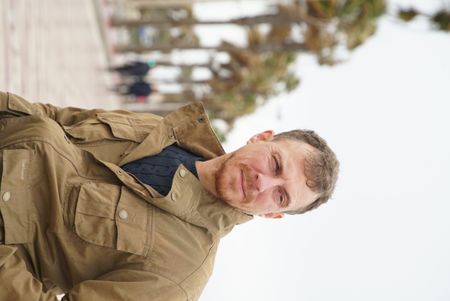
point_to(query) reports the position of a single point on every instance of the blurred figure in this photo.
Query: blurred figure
(138, 89)
(136, 68)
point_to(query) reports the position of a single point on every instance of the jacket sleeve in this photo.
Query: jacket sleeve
(16, 282)
(14, 105)
(88, 126)
(127, 285)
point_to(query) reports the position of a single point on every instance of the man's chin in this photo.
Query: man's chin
(246, 201)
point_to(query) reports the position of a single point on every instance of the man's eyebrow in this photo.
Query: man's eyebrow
(282, 165)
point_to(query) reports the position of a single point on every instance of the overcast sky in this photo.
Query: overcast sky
(386, 233)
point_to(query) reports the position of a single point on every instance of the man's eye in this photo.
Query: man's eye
(276, 165)
(280, 196)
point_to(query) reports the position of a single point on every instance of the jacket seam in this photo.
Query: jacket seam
(203, 262)
(99, 142)
(175, 283)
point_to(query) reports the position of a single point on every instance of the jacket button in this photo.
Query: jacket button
(6, 196)
(123, 214)
(174, 196)
(182, 173)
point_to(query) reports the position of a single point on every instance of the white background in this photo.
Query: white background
(386, 233)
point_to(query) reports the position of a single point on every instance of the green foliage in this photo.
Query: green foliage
(164, 35)
(441, 20)
(253, 75)
(407, 14)
(357, 19)
(331, 24)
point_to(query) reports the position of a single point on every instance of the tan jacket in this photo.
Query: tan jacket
(75, 222)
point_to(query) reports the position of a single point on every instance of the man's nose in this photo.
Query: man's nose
(264, 182)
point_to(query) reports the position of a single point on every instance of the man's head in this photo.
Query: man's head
(321, 167)
(291, 172)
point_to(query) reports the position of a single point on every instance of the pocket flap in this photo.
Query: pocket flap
(98, 200)
(120, 126)
(16, 179)
(95, 213)
(113, 216)
(18, 104)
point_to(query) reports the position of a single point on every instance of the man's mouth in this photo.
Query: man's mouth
(242, 183)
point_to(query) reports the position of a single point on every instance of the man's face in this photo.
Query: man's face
(266, 177)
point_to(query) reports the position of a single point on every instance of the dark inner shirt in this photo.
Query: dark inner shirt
(158, 170)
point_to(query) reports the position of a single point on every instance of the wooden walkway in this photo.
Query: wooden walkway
(52, 51)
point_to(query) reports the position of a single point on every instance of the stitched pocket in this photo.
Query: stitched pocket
(112, 216)
(106, 126)
(18, 175)
(19, 106)
(95, 213)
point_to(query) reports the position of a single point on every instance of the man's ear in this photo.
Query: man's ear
(272, 215)
(263, 136)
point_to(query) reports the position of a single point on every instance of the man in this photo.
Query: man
(139, 88)
(135, 68)
(114, 205)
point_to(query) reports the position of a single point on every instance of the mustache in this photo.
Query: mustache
(249, 183)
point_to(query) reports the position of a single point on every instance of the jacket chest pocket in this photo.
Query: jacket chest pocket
(106, 126)
(113, 216)
(19, 172)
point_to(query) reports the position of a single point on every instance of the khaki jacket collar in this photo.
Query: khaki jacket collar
(189, 127)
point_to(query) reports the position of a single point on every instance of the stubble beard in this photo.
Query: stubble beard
(223, 186)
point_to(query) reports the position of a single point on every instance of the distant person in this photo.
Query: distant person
(137, 89)
(136, 68)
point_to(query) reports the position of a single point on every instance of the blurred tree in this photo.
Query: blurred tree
(269, 47)
(250, 78)
(262, 68)
(259, 75)
(164, 36)
(407, 14)
(440, 19)
(167, 63)
(349, 23)
(324, 25)
(171, 22)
